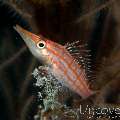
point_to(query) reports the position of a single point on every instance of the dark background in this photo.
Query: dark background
(96, 22)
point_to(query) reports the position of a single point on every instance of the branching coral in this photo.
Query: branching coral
(62, 21)
(52, 90)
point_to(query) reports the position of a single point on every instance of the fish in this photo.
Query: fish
(61, 59)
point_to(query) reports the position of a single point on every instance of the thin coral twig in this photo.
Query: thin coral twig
(87, 15)
(13, 58)
(27, 78)
(25, 108)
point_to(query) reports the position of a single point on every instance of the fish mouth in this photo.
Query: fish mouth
(23, 33)
(18, 28)
(26, 34)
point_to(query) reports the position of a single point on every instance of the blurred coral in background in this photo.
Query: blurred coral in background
(96, 22)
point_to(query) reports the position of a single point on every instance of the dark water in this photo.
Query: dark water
(57, 21)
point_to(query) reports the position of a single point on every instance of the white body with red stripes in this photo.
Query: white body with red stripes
(62, 64)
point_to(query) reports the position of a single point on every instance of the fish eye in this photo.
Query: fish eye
(41, 44)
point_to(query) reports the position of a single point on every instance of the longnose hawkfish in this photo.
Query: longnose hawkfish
(61, 60)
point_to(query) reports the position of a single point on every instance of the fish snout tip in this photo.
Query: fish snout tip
(14, 27)
(17, 27)
(20, 31)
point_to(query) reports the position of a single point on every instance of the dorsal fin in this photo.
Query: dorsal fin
(81, 54)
